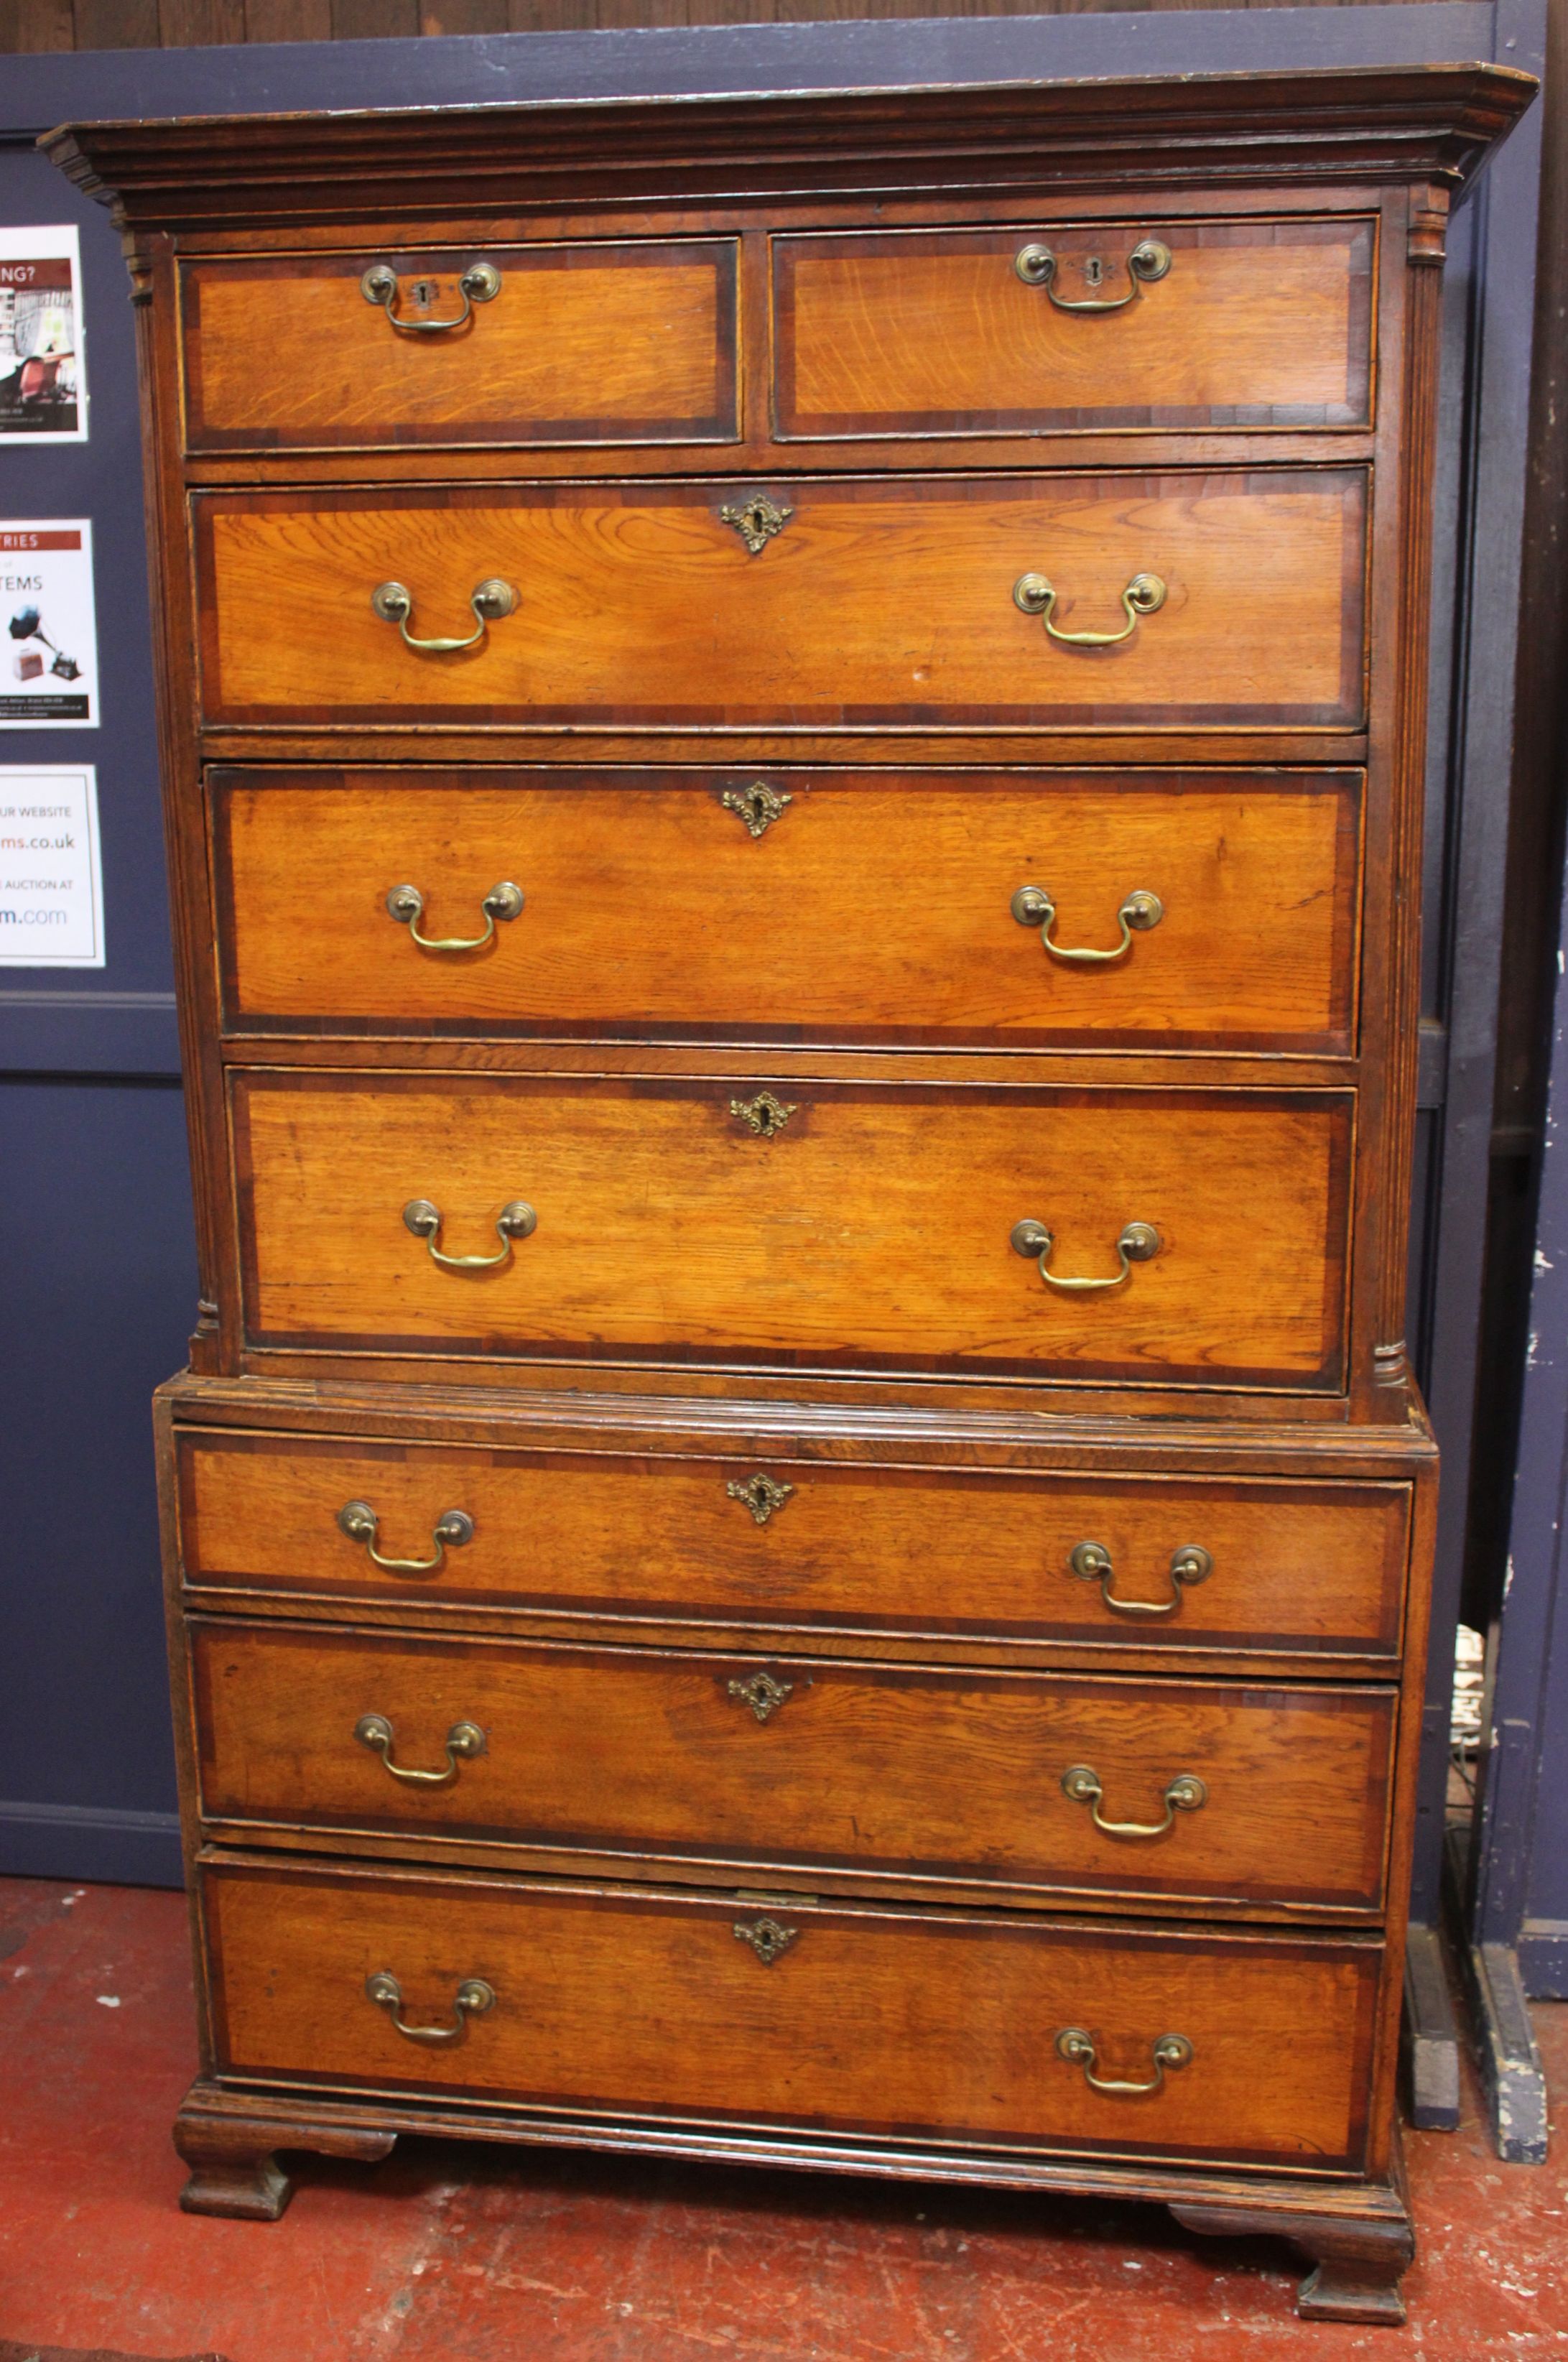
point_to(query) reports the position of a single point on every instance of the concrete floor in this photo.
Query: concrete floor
(476, 2255)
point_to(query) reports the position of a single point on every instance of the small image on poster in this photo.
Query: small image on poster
(48, 647)
(43, 384)
(51, 878)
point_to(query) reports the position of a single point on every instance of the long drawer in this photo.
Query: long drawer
(1232, 599)
(1210, 909)
(802, 1547)
(1182, 1793)
(1142, 323)
(961, 2028)
(922, 1227)
(570, 343)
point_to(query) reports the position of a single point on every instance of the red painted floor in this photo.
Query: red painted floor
(476, 2255)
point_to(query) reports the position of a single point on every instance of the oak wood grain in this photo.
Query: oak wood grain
(871, 908)
(871, 1230)
(729, 1768)
(878, 2020)
(1311, 1567)
(879, 600)
(581, 343)
(1256, 322)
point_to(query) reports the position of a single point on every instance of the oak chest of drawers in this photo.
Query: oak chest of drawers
(798, 1530)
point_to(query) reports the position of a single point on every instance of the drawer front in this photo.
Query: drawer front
(835, 1226)
(576, 344)
(877, 601)
(874, 2020)
(1250, 323)
(780, 1545)
(871, 908)
(1185, 1791)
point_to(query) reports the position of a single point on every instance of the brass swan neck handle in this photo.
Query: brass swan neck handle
(491, 600)
(1138, 1242)
(479, 283)
(1033, 594)
(1035, 906)
(406, 905)
(1185, 1793)
(516, 1220)
(454, 1527)
(1170, 2052)
(473, 1998)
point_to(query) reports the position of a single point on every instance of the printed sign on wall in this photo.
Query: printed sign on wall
(52, 882)
(43, 384)
(48, 649)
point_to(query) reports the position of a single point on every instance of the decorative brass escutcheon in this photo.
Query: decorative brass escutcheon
(406, 905)
(1037, 266)
(1034, 906)
(766, 1938)
(473, 1998)
(516, 1220)
(1138, 1242)
(479, 283)
(762, 1694)
(1033, 594)
(492, 598)
(1171, 2051)
(453, 1528)
(759, 805)
(764, 1115)
(1188, 1565)
(762, 1494)
(1185, 1793)
(756, 519)
(464, 1741)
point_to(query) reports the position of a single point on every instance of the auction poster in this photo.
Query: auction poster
(43, 384)
(48, 646)
(52, 880)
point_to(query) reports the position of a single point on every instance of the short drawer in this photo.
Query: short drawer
(1203, 324)
(844, 907)
(949, 2026)
(598, 343)
(857, 1225)
(1187, 1793)
(787, 1546)
(1232, 598)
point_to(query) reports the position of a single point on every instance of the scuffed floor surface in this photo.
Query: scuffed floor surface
(461, 2253)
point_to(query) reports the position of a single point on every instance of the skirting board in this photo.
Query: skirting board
(91, 1845)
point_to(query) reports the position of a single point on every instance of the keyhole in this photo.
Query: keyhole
(424, 292)
(1094, 271)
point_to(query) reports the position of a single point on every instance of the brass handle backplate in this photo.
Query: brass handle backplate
(406, 905)
(473, 1998)
(393, 602)
(1171, 2051)
(464, 1741)
(516, 1220)
(479, 283)
(1034, 906)
(1034, 595)
(1185, 1793)
(1036, 266)
(1138, 1242)
(453, 1528)
(1188, 1565)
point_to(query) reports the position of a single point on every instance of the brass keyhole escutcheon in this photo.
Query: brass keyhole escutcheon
(762, 1494)
(756, 519)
